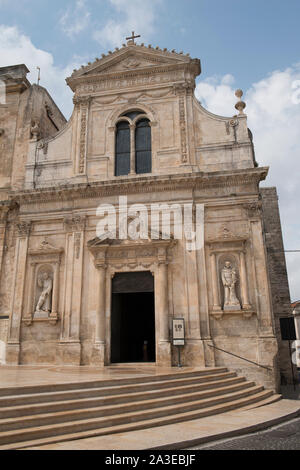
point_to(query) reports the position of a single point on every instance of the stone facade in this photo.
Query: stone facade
(56, 275)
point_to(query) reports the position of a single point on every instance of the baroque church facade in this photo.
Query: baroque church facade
(137, 131)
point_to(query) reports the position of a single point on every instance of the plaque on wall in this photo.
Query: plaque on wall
(178, 332)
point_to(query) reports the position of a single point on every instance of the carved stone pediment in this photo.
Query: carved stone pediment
(45, 249)
(131, 59)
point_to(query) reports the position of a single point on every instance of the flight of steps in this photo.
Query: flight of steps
(44, 414)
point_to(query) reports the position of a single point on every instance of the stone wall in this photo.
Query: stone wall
(280, 293)
(3, 338)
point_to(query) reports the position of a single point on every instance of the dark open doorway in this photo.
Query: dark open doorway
(133, 318)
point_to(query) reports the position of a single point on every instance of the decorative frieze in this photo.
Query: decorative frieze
(118, 83)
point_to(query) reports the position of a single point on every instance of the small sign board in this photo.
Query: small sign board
(178, 332)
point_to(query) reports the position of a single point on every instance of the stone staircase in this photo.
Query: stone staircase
(45, 414)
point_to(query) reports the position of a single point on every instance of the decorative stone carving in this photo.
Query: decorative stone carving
(228, 275)
(44, 304)
(229, 280)
(1, 132)
(253, 209)
(75, 223)
(35, 129)
(44, 270)
(23, 228)
(183, 129)
(240, 105)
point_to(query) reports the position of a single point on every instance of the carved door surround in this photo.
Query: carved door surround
(117, 256)
(233, 248)
(46, 258)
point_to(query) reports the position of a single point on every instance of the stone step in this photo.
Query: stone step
(47, 388)
(134, 421)
(268, 401)
(49, 407)
(19, 399)
(208, 397)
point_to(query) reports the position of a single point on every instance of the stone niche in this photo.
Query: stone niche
(229, 277)
(44, 267)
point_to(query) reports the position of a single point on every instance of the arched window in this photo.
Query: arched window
(133, 144)
(143, 158)
(122, 161)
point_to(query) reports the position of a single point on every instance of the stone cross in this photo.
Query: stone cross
(132, 38)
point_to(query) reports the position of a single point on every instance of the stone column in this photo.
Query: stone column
(31, 297)
(163, 346)
(244, 283)
(54, 311)
(3, 221)
(215, 281)
(18, 286)
(70, 335)
(100, 333)
(132, 149)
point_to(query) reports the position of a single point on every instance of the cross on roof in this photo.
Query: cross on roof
(132, 38)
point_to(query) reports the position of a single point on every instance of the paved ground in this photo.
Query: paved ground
(283, 437)
(18, 376)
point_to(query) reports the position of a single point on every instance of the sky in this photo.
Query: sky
(253, 45)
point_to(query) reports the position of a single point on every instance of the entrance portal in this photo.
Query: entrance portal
(133, 318)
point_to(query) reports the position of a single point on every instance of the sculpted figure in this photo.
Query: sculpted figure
(44, 302)
(229, 279)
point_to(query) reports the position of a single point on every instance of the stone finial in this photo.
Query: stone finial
(240, 105)
(35, 129)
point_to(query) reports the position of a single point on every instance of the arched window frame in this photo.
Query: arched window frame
(132, 127)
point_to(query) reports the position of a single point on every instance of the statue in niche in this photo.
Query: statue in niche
(229, 280)
(44, 302)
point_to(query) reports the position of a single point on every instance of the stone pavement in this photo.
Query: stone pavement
(283, 437)
(18, 376)
(191, 433)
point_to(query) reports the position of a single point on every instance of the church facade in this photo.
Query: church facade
(70, 295)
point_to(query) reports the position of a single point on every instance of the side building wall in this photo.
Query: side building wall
(280, 292)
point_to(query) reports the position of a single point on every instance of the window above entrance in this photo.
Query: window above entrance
(133, 149)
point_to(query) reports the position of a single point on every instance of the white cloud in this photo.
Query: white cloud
(273, 110)
(75, 19)
(133, 15)
(16, 48)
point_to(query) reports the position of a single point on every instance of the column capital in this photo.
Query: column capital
(23, 228)
(75, 223)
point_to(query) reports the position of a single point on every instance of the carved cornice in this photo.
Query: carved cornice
(143, 185)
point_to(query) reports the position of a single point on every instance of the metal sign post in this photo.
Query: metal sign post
(178, 336)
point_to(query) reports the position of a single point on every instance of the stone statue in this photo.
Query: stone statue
(44, 302)
(229, 279)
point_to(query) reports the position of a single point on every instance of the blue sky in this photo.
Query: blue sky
(253, 45)
(247, 39)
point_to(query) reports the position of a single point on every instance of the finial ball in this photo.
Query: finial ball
(239, 93)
